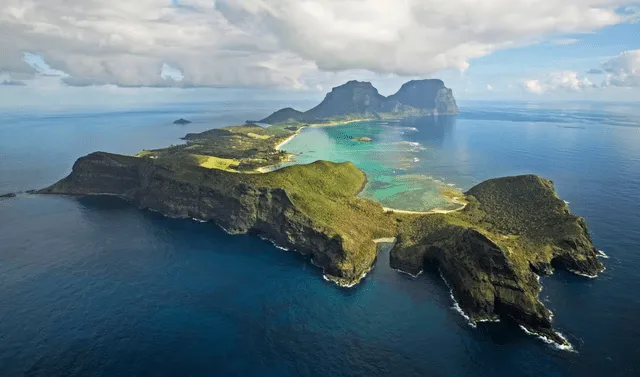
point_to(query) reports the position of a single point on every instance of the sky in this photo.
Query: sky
(81, 52)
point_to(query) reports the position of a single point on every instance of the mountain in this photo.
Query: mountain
(427, 95)
(358, 99)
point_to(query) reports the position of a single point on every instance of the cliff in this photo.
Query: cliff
(492, 253)
(357, 99)
(303, 208)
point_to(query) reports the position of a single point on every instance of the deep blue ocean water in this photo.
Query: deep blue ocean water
(95, 287)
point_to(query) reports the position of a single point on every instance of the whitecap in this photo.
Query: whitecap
(602, 254)
(562, 347)
(585, 275)
(409, 273)
(416, 159)
(456, 306)
(274, 243)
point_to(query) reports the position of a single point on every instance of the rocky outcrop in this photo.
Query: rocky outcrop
(357, 99)
(492, 253)
(182, 121)
(9, 195)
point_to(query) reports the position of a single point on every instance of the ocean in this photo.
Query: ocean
(96, 287)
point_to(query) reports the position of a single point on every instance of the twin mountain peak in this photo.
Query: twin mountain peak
(358, 99)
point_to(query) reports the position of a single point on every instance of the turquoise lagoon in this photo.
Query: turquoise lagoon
(396, 161)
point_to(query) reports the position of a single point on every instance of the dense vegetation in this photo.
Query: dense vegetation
(236, 148)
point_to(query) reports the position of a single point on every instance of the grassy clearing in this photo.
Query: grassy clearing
(212, 162)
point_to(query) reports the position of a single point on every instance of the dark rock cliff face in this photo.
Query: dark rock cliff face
(208, 195)
(361, 99)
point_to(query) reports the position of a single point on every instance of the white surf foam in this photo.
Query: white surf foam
(602, 254)
(562, 347)
(409, 273)
(456, 306)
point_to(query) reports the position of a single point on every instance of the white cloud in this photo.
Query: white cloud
(489, 87)
(623, 70)
(567, 81)
(564, 41)
(287, 43)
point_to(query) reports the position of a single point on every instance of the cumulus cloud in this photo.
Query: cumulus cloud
(489, 87)
(288, 43)
(567, 81)
(620, 71)
(623, 70)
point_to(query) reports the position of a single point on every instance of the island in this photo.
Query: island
(357, 100)
(9, 195)
(182, 121)
(491, 249)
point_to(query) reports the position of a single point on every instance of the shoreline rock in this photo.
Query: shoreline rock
(9, 195)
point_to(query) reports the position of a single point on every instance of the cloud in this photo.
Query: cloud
(283, 43)
(564, 42)
(623, 70)
(489, 87)
(595, 71)
(12, 83)
(567, 81)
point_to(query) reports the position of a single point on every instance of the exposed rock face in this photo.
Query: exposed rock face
(490, 253)
(182, 121)
(236, 202)
(360, 99)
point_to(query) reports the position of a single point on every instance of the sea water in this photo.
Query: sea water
(96, 287)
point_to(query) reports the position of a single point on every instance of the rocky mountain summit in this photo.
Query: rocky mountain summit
(357, 99)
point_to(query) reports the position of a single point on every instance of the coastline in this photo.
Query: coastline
(340, 122)
(431, 212)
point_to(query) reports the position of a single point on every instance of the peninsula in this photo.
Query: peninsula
(491, 250)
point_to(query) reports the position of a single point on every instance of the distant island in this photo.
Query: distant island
(358, 100)
(182, 121)
(491, 250)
